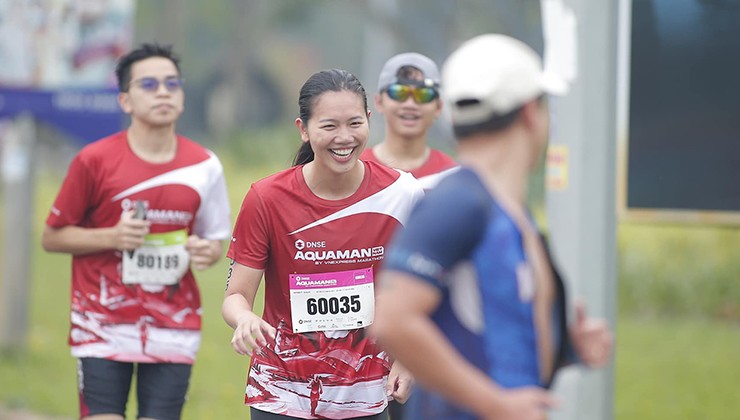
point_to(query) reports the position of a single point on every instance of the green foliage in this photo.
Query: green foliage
(686, 270)
(272, 147)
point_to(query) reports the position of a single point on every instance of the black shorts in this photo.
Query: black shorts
(395, 410)
(104, 387)
(255, 414)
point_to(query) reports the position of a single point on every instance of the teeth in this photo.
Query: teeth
(342, 152)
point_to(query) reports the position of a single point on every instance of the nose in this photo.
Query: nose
(162, 88)
(344, 135)
(410, 101)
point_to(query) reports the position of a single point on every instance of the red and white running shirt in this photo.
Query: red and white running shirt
(320, 257)
(139, 322)
(437, 166)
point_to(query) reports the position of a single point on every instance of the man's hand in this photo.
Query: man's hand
(526, 403)
(592, 338)
(203, 252)
(129, 233)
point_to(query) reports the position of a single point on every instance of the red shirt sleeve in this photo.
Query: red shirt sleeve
(75, 196)
(250, 242)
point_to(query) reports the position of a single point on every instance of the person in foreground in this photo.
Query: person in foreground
(136, 210)
(469, 300)
(408, 97)
(318, 231)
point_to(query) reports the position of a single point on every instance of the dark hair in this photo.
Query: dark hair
(123, 67)
(405, 73)
(494, 123)
(335, 80)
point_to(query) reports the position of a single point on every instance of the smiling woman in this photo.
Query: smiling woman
(319, 277)
(337, 133)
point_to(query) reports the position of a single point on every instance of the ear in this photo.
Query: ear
(439, 108)
(302, 129)
(535, 118)
(124, 102)
(530, 114)
(379, 102)
(368, 115)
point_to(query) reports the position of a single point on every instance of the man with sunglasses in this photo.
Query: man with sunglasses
(408, 97)
(137, 210)
(470, 301)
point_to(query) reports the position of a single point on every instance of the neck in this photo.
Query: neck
(503, 163)
(333, 186)
(402, 153)
(152, 144)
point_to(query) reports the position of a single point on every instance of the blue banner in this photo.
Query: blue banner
(84, 114)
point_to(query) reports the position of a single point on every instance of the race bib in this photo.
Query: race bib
(162, 260)
(341, 300)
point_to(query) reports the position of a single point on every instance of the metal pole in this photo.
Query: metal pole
(17, 179)
(581, 198)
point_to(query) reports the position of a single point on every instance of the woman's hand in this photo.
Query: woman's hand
(400, 383)
(250, 333)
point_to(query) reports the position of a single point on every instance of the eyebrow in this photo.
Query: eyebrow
(169, 76)
(325, 120)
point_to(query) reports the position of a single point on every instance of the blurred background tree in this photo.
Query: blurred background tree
(244, 62)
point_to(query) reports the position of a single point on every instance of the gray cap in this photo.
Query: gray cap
(388, 75)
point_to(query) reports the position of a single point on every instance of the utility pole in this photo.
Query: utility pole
(17, 186)
(581, 44)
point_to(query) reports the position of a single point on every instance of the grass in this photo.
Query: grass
(677, 329)
(676, 369)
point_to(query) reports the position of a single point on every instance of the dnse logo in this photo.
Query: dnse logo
(299, 244)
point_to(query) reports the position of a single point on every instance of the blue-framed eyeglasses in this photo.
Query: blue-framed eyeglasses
(151, 84)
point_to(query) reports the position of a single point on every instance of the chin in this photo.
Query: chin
(344, 167)
(164, 122)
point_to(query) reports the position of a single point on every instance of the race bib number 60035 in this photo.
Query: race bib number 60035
(332, 301)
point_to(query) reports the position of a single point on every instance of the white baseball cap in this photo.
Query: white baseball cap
(389, 72)
(493, 74)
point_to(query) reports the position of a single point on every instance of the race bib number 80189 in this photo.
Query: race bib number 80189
(162, 260)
